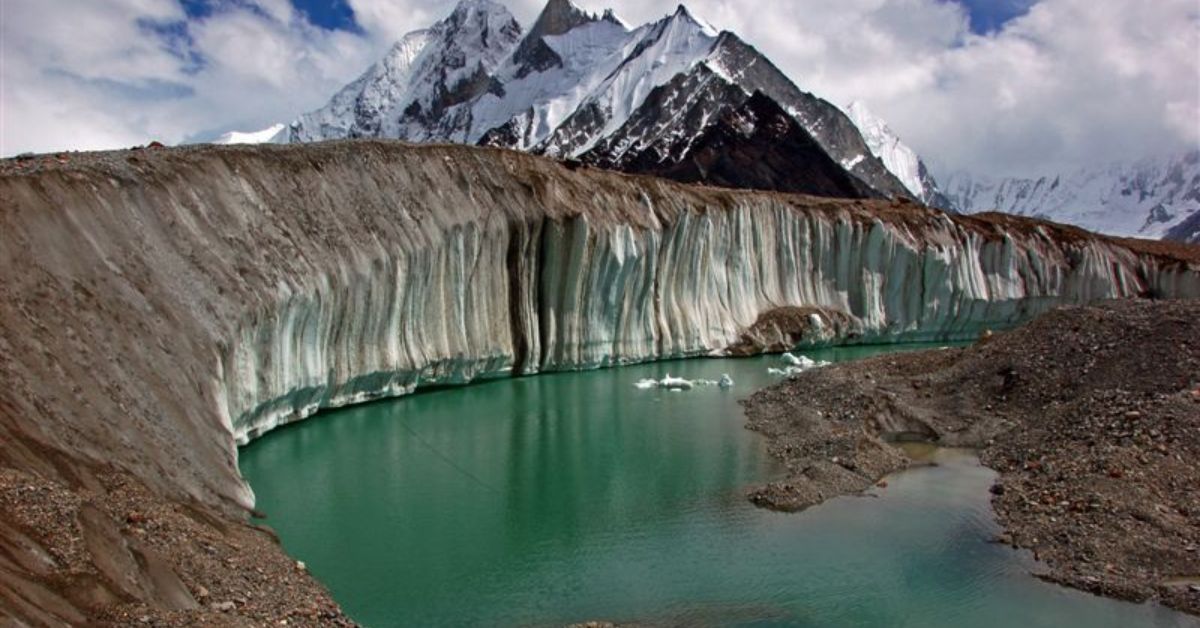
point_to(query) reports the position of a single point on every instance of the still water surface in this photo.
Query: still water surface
(571, 497)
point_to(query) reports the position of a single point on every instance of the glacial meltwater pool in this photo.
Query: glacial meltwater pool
(564, 498)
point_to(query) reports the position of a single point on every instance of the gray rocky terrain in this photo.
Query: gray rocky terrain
(1091, 415)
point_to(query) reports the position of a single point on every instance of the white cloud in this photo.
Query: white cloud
(1071, 82)
(102, 79)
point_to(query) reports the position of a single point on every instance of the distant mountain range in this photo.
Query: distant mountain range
(1152, 198)
(680, 99)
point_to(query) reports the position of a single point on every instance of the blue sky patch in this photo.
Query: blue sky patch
(328, 14)
(989, 16)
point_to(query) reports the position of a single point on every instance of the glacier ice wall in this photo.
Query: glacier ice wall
(584, 291)
(208, 295)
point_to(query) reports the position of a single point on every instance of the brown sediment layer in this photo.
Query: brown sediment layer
(1091, 415)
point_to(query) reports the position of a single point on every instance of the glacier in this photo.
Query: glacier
(208, 295)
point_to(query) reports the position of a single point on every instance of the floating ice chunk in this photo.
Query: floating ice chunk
(796, 365)
(802, 362)
(675, 383)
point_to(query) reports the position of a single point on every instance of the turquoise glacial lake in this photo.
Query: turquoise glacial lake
(561, 498)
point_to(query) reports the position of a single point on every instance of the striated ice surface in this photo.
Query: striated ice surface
(483, 297)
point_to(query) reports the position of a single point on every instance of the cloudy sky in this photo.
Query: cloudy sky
(1000, 86)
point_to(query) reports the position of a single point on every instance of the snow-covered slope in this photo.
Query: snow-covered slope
(896, 156)
(1152, 198)
(575, 83)
(274, 134)
(426, 87)
(652, 56)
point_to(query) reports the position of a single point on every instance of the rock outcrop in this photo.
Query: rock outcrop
(157, 306)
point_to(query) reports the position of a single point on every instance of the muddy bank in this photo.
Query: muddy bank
(1091, 415)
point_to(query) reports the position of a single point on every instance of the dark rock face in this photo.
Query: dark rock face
(937, 199)
(1187, 231)
(662, 133)
(756, 146)
(833, 130)
(515, 132)
(670, 119)
(533, 55)
(583, 124)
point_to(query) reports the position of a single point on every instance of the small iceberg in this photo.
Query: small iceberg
(795, 365)
(668, 382)
(677, 384)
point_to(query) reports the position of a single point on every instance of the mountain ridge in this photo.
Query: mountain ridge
(589, 87)
(1150, 198)
(572, 83)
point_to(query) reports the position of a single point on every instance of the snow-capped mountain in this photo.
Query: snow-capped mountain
(579, 86)
(274, 134)
(896, 156)
(426, 87)
(1153, 198)
(757, 146)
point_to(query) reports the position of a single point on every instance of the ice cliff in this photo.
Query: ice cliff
(157, 306)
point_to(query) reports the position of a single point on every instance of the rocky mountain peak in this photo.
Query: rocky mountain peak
(477, 16)
(560, 16)
(611, 16)
(588, 87)
(683, 13)
(466, 8)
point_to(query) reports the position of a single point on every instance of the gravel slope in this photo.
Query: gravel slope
(1091, 415)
